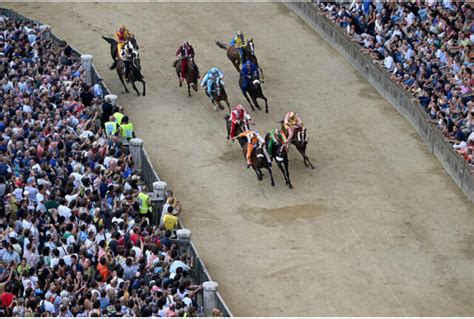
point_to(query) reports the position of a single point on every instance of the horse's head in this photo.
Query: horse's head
(133, 42)
(256, 82)
(251, 46)
(300, 137)
(136, 61)
(191, 64)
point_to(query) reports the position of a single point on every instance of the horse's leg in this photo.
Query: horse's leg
(189, 88)
(271, 175)
(144, 87)
(305, 158)
(219, 104)
(248, 100)
(257, 171)
(282, 169)
(290, 186)
(214, 104)
(121, 80)
(135, 88)
(254, 99)
(236, 64)
(179, 78)
(261, 72)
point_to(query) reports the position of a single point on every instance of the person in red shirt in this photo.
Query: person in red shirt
(184, 51)
(103, 269)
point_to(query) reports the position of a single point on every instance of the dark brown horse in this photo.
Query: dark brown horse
(240, 127)
(191, 75)
(300, 141)
(219, 94)
(279, 153)
(234, 56)
(134, 69)
(259, 161)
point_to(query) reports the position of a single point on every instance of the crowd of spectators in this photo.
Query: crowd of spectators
(75, 232)
(427, 49)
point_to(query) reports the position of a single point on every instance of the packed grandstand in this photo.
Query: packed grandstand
(427, 48)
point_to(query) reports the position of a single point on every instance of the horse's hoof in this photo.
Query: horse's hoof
(273, 184)
(266, 111)
(290, 186)
(143, 94)
(181, 84)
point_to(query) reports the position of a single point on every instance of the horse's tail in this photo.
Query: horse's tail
(113, 65)
(109, 40)
(222, 45)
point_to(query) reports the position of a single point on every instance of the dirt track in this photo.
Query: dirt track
(377, 229)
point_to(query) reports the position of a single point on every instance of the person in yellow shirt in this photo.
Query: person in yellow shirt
(170, 221)
(126, 128)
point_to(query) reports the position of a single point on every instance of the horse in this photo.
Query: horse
(241, 127)
(300, 141)
(134, 70)
(280, 154)
(234, 56)
(254, 89)
(131, 42)
(219, 94)
(191, 76)
(259, 161)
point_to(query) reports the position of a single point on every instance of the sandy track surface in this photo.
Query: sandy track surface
(378, 228)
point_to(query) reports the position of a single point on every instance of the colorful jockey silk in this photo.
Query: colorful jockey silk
(249, 70)
(211, 76)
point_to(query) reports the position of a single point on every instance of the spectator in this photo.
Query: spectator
(75, 228)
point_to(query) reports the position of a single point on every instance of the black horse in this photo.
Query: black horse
(300, 141)
(254, 89)
(219, 94)
(134, 68)
(259, 161)
(279, 153)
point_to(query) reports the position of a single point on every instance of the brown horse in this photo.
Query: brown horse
(191, 76)
(300, 141)
(234, 56)
(134, 69)
(259, 161)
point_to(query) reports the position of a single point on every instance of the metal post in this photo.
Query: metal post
(136, 146)
(210, 296)
(86, 60)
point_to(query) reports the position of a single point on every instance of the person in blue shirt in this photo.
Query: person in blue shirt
(249, 71)
(211, 76)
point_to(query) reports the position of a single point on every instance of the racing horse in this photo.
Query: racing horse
(300, 141)
(258, 161)
(254, 89)
(242, 126)
(234, 56)
(219, 94)
(134, 70)
(280, 155)
(191, 76)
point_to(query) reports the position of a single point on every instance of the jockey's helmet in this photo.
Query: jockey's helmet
(186, 44)
(122, 28)
(291, 115)
(214, 72)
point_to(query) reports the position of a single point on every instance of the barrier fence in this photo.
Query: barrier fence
(404, 103)
(208, 298)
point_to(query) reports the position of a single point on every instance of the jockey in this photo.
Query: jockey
(238, 114)
(122, 35)
(278, 137)
(253, 140)
(239, 42)
(211, 76)
(291, 122)
(183, 52)
(249, 70)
